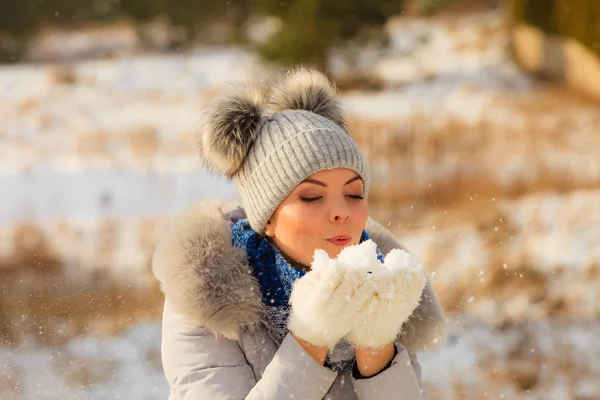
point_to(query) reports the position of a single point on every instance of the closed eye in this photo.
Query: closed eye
(356, 196)
(310, 199)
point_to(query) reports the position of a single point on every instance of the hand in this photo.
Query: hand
(325, 301)
(319, 354)
(370, 362)
(397, 286)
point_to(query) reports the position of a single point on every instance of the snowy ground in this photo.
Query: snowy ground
(126, 367)
(544, 360)
(94, 157)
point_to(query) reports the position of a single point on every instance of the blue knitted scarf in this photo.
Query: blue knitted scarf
(276, 277)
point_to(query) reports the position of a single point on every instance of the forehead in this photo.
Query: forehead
(341, 174)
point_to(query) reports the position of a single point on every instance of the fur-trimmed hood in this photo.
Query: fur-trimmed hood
(208, 280)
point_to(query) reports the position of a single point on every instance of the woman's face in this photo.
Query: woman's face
(325, 211)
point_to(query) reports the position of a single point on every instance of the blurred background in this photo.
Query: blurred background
(480, 120)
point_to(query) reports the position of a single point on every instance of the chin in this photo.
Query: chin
(334, 251)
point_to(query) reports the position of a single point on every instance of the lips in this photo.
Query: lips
(341, 240)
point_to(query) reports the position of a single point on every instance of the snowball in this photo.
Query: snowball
(363, 258)
(399, 260)
(360, 257)
(321, 260)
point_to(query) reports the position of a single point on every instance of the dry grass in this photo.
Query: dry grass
(445, 161)
(459, 8)
(362, 81)
(506, 285)
(513, 287)
(39, 300)
(27, 105)
(529, 367)
(81, 374)
(526, 360)
(51, 311)
(10, 381)
(140, 146)
(405, 201)
(93, 144)
(143, 143)
(64, 75)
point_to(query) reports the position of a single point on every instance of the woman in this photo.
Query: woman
(230, 273)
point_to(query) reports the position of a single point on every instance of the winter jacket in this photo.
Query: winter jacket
(216, 344)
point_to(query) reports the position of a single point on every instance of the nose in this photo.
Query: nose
(340, 212)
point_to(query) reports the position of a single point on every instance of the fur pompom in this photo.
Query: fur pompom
(232, 123)
(310, 90)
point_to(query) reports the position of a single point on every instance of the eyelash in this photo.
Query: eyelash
(356, 196)
(314, 199)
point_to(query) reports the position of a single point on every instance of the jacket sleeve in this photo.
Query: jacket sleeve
(199, 366)
(401, 380)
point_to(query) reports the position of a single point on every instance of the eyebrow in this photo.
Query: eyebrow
(316, 182)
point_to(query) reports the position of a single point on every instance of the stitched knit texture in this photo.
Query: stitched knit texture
(292, 145)
(276, 278)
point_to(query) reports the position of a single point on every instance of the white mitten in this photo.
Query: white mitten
(397, 285)
(325, 301)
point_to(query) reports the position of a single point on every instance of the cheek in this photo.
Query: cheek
(360, 215)
(298, 221)
(299, 229)
(361, 210)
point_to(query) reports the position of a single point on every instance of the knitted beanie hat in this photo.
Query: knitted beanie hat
(270, 142)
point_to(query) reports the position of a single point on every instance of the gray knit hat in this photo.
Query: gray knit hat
(270, 142)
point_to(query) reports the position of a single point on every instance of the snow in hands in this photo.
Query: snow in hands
(356, 296)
